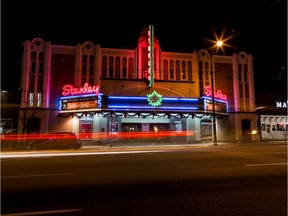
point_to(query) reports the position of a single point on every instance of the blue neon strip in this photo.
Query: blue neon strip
(150, 107)
(127, 97)
(100, 100)
(169, 99)
(145, 98)
(180, 99)
(60, 105)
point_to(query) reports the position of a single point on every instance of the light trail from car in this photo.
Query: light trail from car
(47, 154)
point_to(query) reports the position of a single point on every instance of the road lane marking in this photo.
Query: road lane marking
(42, 212)
(270, 164)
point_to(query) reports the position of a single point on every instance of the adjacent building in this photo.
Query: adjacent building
(96, 91)
(272, 116)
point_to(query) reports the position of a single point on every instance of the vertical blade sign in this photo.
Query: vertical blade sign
(150, 56)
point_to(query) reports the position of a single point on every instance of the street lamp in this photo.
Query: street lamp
(213, 101)
(214, 128)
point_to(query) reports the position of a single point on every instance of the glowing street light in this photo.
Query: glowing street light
(219, 43)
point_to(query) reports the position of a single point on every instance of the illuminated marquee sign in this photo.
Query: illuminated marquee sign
(150, 56)
(219, 106)
(218, 94)
(86, 89)
(79, 103)
(86, 97)
(82, 105)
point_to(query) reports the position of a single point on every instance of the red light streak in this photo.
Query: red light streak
(100, 135)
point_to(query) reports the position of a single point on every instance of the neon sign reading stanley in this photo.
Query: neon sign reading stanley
(218, 94)
(86, 89)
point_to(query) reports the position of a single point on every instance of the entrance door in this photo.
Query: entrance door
(206, 129)
(246, 130)
(33, 125)
(86, 130)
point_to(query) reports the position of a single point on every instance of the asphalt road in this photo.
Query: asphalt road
(209, 180)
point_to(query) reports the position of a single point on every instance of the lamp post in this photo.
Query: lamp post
(218, 44)
(214, 129)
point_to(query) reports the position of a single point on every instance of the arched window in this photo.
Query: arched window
(104, 66)
(165, 71)
(124, 67)
(111, 66)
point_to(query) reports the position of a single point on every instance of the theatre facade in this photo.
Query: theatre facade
(97, 92)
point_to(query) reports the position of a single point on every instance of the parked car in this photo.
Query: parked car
(57, 140)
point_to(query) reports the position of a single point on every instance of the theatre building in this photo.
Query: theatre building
(97, 92)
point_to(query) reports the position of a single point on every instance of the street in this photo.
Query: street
(204, 180)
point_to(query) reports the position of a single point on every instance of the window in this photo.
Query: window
(131, 68)
(31, 99)
(41, 68)
(33, 56)
(200, 71)
(91, 77)
(240, 77)
(206, 129)
(207, 80)
(117, 67)
(171, 69)
(201, 85)
(41, 63)
(84, 65)
(178, 74)
(84, 77)
(39, 100)
(111, 63)
(240, 91)
(104, 66)
(84, 69)
(190, 75)
(183, 75)
(33, 67)
(245, 72)
(246, 90)
(91, 69)
(124, 67)
(165, 71)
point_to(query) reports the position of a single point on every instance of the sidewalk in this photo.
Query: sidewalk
(140, 144)
(95, 145)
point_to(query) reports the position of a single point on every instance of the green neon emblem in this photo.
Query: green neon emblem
(154, 99)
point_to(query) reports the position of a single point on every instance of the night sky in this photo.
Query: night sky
(257, 27)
